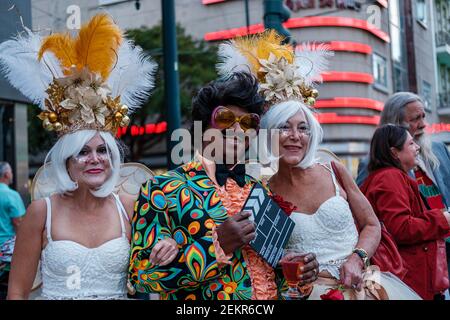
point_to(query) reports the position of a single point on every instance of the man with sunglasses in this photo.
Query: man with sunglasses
(199, 205)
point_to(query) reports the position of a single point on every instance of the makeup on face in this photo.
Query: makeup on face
(296, 128)
(88, 155)
(294, 138)
(302, 129)
(91, 166)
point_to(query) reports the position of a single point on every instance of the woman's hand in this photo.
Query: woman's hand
(164, 252)
(310, 269)
(352, 272)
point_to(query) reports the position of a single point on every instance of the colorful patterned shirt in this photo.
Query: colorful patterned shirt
(185, 205)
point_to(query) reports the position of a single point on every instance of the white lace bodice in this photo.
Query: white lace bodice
(330, 232)
(72, 271)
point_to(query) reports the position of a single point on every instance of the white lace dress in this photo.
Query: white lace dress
(70, 270)
(330, 233)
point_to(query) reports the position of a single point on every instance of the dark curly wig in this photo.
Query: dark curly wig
(239, 89)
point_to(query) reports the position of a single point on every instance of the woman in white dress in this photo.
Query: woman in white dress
(81, 237)
(81, 234)
(329, 211)
(328, 214)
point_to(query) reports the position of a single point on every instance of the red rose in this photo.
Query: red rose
(333, 294)
(286, 206)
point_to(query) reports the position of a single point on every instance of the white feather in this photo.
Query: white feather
(312, 60)
(231, 60)
(19, 63)
(133, 76)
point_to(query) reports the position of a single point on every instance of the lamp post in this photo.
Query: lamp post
(171, 78)
(247, 17)
(275, 13)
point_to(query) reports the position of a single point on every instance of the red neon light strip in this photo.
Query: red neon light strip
(301, 23)
(149, 128)
(236, 32)
(438, 127)
(347, 46)
(333, 118)
(206, 2)
(336, 22)
(350, 102)
(338, 76)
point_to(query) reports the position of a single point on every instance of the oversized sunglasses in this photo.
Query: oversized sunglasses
(223, 118)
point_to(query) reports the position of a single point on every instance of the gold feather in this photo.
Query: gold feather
(97, 45)
(247, 45)
(63, 46)
(271, 42)
(260, 46)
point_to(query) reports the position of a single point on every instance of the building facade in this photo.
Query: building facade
(381, 47)
(13, 106)
(441, 19)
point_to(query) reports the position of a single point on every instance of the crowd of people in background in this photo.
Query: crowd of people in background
(408, 187)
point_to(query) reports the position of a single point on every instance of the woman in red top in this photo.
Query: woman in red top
(396, 201)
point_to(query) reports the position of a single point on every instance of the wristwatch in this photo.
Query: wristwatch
(363, 255)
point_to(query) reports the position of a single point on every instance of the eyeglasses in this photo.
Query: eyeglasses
(303, 130)
(223, 118)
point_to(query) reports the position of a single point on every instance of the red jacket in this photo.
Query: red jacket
(396, 201)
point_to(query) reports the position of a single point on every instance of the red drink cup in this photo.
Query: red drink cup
(292, 271)
(291, 264)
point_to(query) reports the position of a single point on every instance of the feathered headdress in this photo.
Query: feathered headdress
(283, 73)
(91, 81)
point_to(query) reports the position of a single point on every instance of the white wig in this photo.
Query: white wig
(278, 115)
(69, 146)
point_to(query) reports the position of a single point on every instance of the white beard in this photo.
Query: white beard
(426, 151)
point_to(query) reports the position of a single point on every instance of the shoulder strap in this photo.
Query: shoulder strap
(337, 174)
(122, 212)
(333, 176)
(339, 179)
(48, 220)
